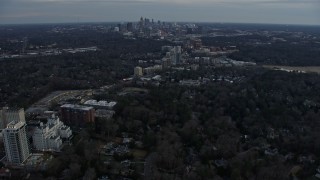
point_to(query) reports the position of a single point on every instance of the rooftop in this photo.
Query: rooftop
(100, 103)
(15, 125)
(76, 106)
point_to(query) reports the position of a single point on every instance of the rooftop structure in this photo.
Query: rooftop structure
(76, 106)
(8, 115)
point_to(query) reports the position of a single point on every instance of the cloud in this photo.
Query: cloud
(186, 2)
(268, 11)
(83, 1)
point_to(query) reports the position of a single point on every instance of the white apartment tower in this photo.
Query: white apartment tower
(15, 142)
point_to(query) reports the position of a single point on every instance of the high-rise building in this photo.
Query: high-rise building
(141, 23)
(138, 71)
(130, 26)
(77, 115)
(120, 26)
(165, 63)
(8, 115)
(175, 54)
(178, 54)
(15, 142)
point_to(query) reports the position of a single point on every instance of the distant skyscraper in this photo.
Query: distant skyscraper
(15, 142)
(165, 63)
(175, 54)
(8, 115)
(25, 44)
(146, 21)
(120, 27)
(178, 54)
(130, 26)
(141, 23)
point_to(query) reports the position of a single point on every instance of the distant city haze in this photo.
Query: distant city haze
(234, 11)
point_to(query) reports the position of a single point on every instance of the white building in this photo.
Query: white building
(49, 137)
(100, 104)
(15, 142)
(175, 55)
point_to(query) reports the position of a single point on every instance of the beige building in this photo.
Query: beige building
(138, 71)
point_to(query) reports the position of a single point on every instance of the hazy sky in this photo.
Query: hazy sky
(252, 11)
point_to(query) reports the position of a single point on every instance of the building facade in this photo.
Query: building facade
(77, 115)
(15, 142)
(175, 55)
(138, 71)
(49, 137)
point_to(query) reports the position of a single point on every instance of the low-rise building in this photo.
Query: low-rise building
(77, 115)
(103, 113)
(100, 104)
(152, 69)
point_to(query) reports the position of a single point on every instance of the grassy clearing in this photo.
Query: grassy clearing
(139, 154)
(307, 69)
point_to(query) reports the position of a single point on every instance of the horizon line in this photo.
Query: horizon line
(183, 21)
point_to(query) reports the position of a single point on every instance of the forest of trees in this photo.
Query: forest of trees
(195, 132)
(259, 128)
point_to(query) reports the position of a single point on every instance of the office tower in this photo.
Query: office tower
(8, 115)
(130, 26)
(165, 63)
(175, 54)
(120, 27)
(15, 142)
(146, 21)
(178, 54)
(25, 44)
(141, 23)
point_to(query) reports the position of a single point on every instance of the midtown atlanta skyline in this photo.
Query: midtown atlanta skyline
(233, 11)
